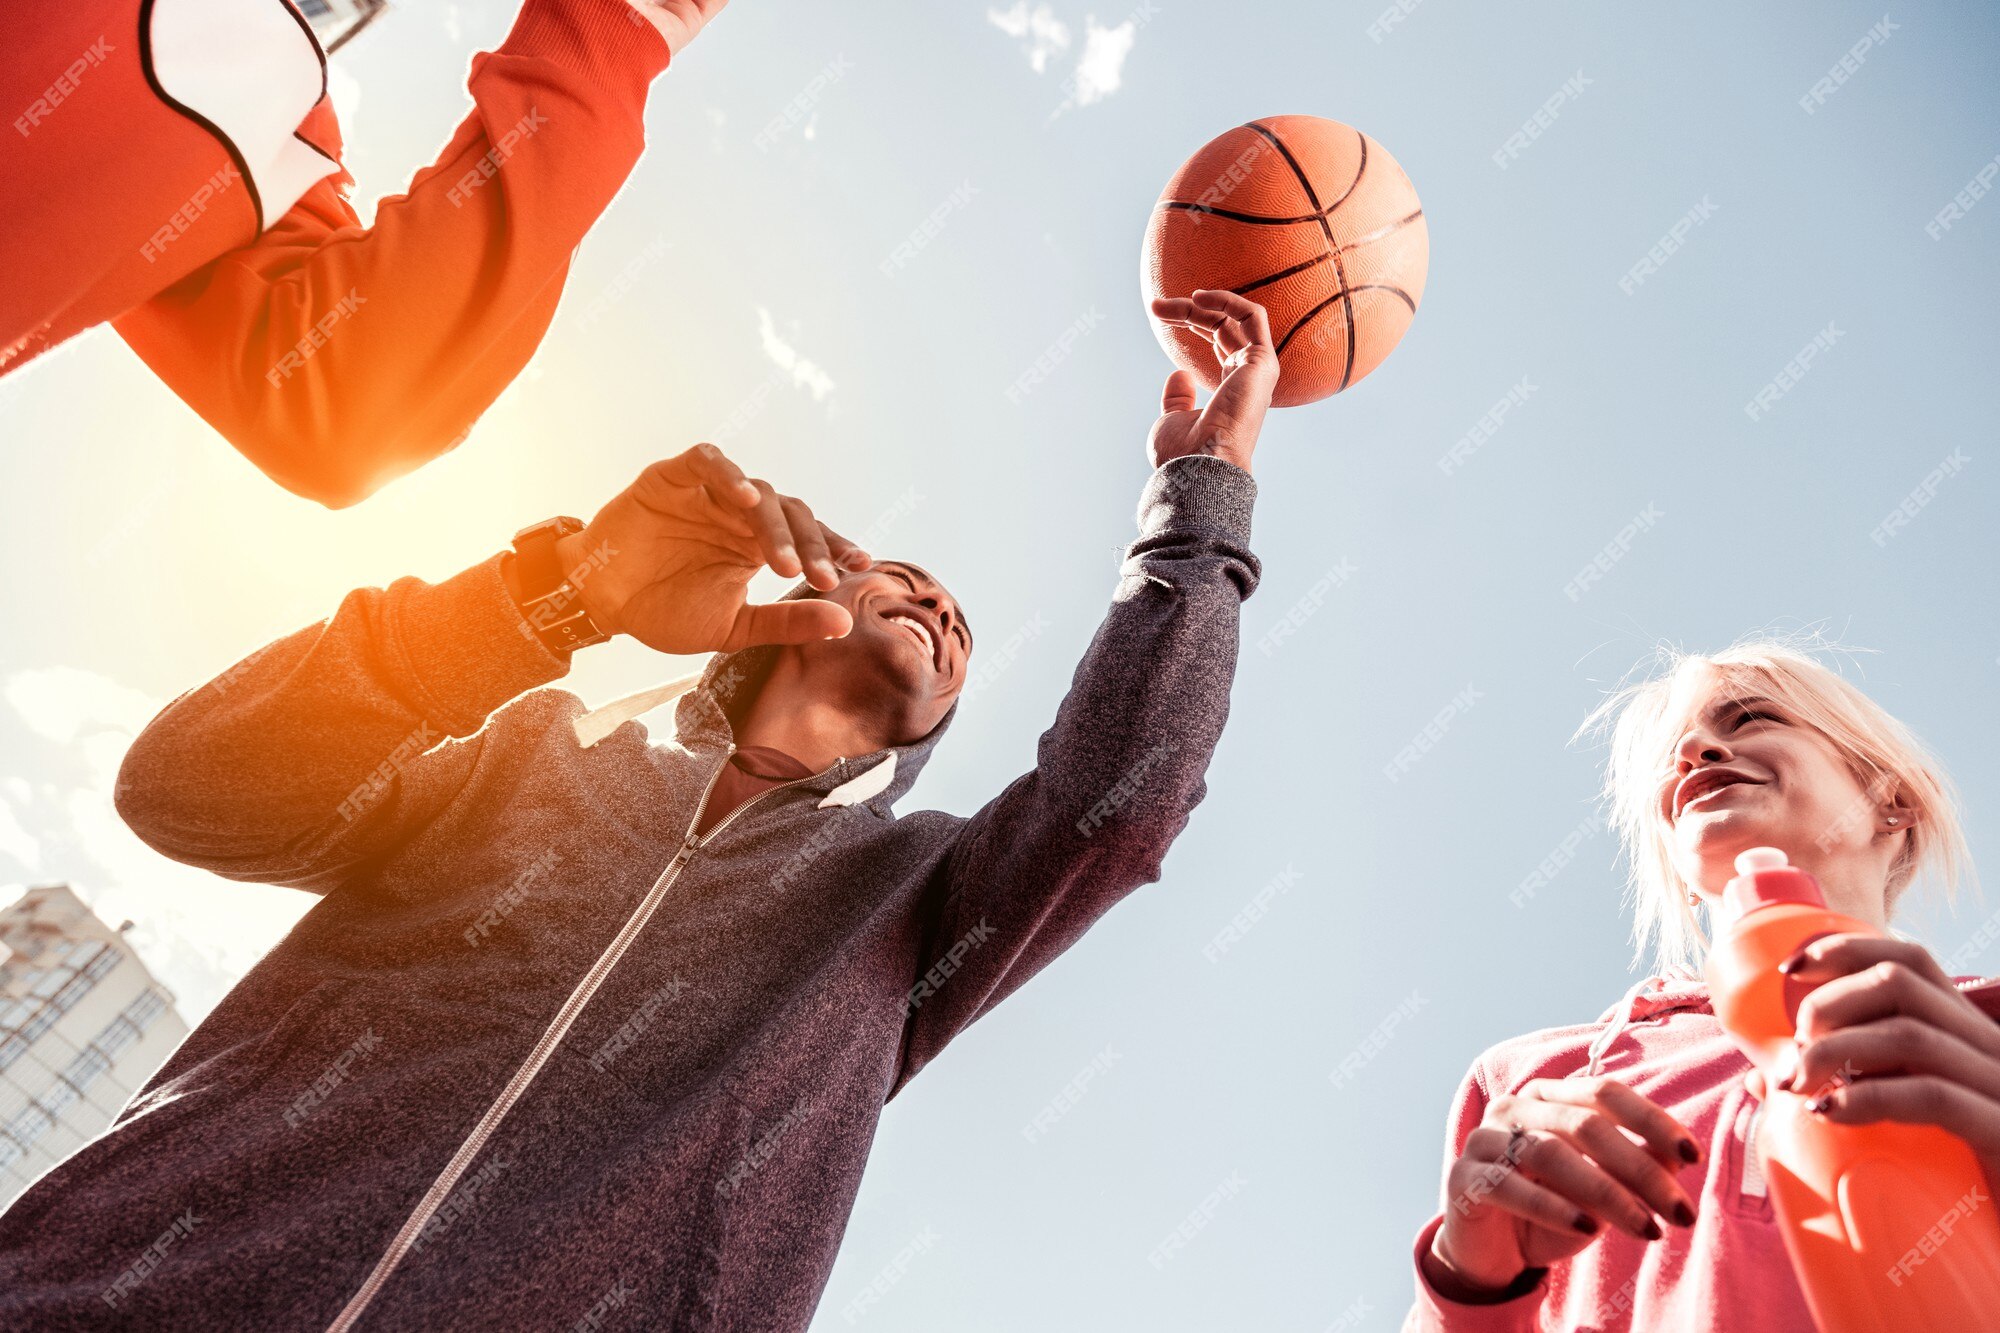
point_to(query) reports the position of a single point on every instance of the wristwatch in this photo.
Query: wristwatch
(551, 605)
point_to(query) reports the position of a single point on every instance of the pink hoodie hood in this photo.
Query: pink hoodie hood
(1728, 1271)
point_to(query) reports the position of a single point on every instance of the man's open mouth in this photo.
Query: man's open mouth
(925, 635)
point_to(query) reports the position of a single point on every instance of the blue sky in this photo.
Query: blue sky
(747, 286)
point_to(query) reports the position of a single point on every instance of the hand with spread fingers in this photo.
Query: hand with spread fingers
(1228, 427)
(678, 20)
(1547, 1168)
(670, 558)
(1886, 1036)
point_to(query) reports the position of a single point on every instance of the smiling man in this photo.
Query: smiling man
(586, 1017)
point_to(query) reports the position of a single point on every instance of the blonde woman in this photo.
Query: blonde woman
(1604, 1175)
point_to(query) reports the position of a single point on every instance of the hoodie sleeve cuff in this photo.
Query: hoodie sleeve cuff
(1198, 492)
(1435, 1314)
(593, 35)
(467, 646)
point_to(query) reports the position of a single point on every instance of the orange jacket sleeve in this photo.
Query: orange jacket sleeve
(337, 356)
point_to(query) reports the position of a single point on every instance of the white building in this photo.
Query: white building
(335, 21)
(83, 1025)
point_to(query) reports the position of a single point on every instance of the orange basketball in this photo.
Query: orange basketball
(1313, 220)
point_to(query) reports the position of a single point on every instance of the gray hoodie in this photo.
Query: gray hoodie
(539, 1058)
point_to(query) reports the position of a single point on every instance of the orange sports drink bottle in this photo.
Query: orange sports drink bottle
(1891, 1227)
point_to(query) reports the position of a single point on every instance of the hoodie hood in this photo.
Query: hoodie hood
(701, 717)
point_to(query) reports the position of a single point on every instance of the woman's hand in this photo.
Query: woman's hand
(1888, 1037)
(1547, 1168)
(670, 558)
(1240, 332)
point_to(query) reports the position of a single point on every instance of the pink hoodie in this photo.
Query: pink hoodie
(1729, 1271)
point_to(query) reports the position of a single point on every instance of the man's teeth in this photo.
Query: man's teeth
(916, 625)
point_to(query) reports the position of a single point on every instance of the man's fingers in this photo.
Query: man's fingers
(774, 532)
(845, 553)
(810, 543)
(806, 621)
(707, 466)
(1180, 394)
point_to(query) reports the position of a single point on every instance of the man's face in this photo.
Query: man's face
(909, 641)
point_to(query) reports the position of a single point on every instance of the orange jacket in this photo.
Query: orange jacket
(173, 167)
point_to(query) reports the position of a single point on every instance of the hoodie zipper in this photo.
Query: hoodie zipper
(552, 1036)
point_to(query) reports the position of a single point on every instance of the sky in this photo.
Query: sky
(857, 228)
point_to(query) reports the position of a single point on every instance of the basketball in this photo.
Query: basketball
(1311, 219)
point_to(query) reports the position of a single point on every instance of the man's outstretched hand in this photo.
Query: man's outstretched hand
(1228, 427)
(677, 20)
(669, 560)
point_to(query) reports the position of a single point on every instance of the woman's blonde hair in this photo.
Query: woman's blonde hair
(1886, 759)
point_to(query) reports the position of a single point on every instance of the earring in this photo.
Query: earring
(1894, 820)
(1694, 899)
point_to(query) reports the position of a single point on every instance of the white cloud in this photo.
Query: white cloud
(786, 357)
(1044, 34)
(197, 933)
(16, 843)
(1100, 70)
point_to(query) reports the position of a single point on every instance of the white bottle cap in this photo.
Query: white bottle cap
(1760, 858)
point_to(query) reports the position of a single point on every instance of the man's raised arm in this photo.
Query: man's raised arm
(1119, 772)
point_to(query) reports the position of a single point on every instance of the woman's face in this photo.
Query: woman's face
(1746, 773)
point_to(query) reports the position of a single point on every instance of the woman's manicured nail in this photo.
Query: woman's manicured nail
(1585, 1223)
(1819, 1104)
(1785, 1069)
(1794, 963)
(1652, 1231)
(1683, 1214)
(1689, 1153)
